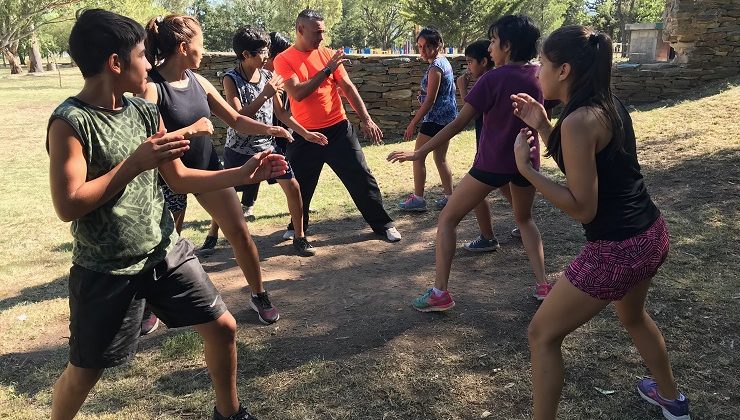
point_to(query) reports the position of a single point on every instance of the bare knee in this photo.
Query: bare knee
(80, 378)
(633, 319)
(540, 336)
(222, 330)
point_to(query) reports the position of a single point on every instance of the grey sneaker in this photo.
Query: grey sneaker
(515, 233)
(303, 247)
(241, 414)
(288, 235)
(481, 244)
(392, 234)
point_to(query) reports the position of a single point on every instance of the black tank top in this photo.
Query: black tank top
(624, 205)
(181, 107)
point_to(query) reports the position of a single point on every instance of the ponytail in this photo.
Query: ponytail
(590, 57)
(164, 35)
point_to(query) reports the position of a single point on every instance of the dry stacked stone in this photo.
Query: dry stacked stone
(389, 85)
(706, 37)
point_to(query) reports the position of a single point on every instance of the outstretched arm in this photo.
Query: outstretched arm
(467, 114)
(73, 196)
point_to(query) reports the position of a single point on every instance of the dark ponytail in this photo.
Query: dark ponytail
(590, 57)
(164, 35)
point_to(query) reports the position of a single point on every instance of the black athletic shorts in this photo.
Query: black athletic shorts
(430, 129)
(498, 180)
(106, 309)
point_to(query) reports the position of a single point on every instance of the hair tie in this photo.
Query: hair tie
(159, 19)
(593, 39)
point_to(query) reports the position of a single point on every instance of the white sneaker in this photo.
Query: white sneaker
(289, 234)
(249, 213)
(392, 234)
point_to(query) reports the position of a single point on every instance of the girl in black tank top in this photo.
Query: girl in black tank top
(594, 145)
(175, 43)
(182, 106)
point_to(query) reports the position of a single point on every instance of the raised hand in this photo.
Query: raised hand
(398, 156)
(524, 147)
(274, 86)
(158, 149)
(280, 132)
(317, 138)
(263, 166)
(530, 111)
(337, 60)
(370, 129)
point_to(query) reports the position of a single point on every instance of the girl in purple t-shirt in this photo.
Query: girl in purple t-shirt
(513, 44)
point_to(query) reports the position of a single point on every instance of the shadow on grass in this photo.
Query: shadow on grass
(54, 289)
(348, 342)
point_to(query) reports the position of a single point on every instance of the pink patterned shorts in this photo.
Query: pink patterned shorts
(608, 270)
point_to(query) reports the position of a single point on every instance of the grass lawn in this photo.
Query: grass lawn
(348, 346)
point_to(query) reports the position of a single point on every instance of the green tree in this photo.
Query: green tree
(460, 21)
(20, 19)
(548, 15)
(350, 30)
(384, 22)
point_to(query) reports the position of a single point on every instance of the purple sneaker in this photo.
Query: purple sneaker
(261, 304)
(672, 409)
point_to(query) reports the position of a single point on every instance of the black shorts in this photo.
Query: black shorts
(106, 309)
(498, 180)
(233, 159)
(430, 129)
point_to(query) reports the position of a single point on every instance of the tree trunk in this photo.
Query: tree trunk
(15, 67)
(34, 54)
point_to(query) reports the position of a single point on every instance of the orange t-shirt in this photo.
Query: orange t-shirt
(322, 108)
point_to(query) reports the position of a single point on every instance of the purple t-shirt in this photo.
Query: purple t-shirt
(490, 96)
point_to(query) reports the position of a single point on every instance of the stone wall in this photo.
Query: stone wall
(389, 85)
(706, 37)
(704, 33)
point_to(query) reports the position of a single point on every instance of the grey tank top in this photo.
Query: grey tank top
(181, 107)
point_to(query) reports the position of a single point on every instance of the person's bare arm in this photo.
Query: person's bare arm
(250, 110)
(367, 125)
(301, 90)
(233, 119)
(287, 118)
(579, 197)
(467, 114)
(72, 195)
(433, 82)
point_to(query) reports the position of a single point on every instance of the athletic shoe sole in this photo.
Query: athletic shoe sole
(152, 329)
(254, 307)
(486, 249)
(413, 210)
(435, 308)
(667, 414)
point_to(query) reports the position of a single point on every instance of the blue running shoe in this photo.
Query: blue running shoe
(440, 203)
(672, 409)
(413, 203)
(481, 244)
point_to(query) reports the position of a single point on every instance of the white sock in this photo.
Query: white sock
(437, 292)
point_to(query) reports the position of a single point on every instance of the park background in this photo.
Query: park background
(348, 345)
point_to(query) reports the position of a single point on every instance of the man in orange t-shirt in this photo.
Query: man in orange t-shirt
(314, 78)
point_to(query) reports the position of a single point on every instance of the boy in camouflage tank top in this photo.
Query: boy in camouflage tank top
(106, 151)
